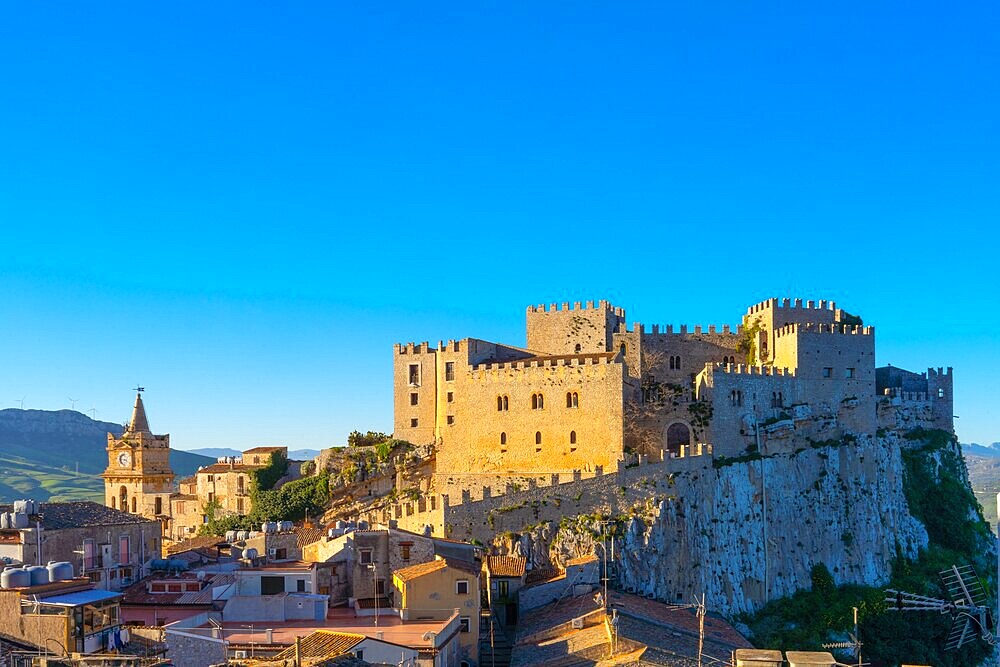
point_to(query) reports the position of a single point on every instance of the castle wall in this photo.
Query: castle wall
(560, 331)
(773, 314)
(415, 392)
(691, 347)
(476, 433)
(743, 397)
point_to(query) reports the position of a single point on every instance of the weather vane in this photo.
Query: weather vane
(140, 389)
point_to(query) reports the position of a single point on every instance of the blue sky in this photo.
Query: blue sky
(243, 206)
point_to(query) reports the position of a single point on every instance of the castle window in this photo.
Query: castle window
(451, 419)
(503, 438)
(414, 398)
(449, 370)
(675, 363)
(577, 348)
(572, 437)
(451, 397)
(940, 395)
(502, 403)
(828, 372)
(113, 503)
(538, 437)
(158, 506)
(622, 349)
(572, 399)
(781, 400)
(414, 375)
(413, 423)
(239, 505)
(133, 505)
(849, 373)
(537, 402)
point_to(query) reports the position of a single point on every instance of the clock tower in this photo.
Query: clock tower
(138, 478)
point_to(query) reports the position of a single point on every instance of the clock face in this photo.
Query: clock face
(124, 459)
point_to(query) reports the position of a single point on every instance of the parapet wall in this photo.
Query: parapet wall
(597, 359)
(601, 305)
(790, 304)
(792, 329)
(413, 348)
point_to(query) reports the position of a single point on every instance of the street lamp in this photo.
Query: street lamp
(374, 569)
(251, 637)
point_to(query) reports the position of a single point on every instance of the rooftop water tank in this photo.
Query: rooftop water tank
(269, 527)
(230, 536)
(285, 526)
(15, 577)
(5, 523)
(39, 574)
(19, 520)
(242, 535)
(159, 564)
(250, 553)
(236, 553)
(61, 571)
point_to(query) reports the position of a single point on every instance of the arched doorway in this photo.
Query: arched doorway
(678, 435)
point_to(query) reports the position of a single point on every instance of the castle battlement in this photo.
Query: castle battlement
(685, 330)
(773, 303)
(414, 348)
(601, 305)
(940, 372)
(746, 369)
(603, 359)
(856, 330)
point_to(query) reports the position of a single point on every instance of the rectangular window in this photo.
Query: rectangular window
(159, 588)
(404, 550)
(414, 397)
(272, 585)
(89, 554)
(449, 370)
(462, 587)
(124, 550)
(300, 585)
(211, 496)
(380, 587)
(239, 505)
(413, 423)
(451, 397)
(464, 623)
(365, 556)
(828, 372)
(451, 419)
(280, 554)
(503, 588)
(414, 375)
(849, 373)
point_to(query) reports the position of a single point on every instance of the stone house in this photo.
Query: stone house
(504, 577)
(108, 546)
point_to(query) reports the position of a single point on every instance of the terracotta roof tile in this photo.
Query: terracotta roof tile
(199, 542)
(581, 560)
(506, 566)
(420, 569)
(322, 643)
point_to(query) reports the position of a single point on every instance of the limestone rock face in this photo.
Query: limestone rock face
(842, 506)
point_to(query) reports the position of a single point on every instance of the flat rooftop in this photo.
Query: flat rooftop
(341, 619)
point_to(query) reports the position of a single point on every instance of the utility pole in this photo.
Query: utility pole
(701, 628)
(763, 499)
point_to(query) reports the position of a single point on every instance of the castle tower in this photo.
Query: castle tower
(138, 478)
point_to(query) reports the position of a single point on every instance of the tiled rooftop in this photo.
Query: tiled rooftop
(81, 514)
(506, 566)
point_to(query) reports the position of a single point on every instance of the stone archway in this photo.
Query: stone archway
(676, 436)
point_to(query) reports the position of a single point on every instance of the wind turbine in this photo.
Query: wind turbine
(21, 402)
(93, 412)
(72, 403)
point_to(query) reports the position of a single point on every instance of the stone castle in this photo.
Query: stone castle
(587, 395)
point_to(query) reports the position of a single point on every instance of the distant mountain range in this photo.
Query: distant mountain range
(58, 455)
(218, 452)
(982, 450)
(983, 462)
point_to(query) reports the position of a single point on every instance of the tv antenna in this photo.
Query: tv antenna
(854, 645)
(72, 403)
(967, 607)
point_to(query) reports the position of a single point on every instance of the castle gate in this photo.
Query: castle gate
(678, 434)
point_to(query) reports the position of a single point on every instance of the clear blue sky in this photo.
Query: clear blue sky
(243, 206)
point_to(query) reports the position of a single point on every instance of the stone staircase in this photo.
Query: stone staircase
(497, 655)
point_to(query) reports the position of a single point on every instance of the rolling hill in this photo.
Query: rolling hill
(59, 455)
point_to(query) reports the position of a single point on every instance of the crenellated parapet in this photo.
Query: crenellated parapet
(414, 348)
(846, 329)
(746, 369)
(791, 304)
(602, 305)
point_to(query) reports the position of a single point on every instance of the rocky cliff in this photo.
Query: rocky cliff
(842, 506)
